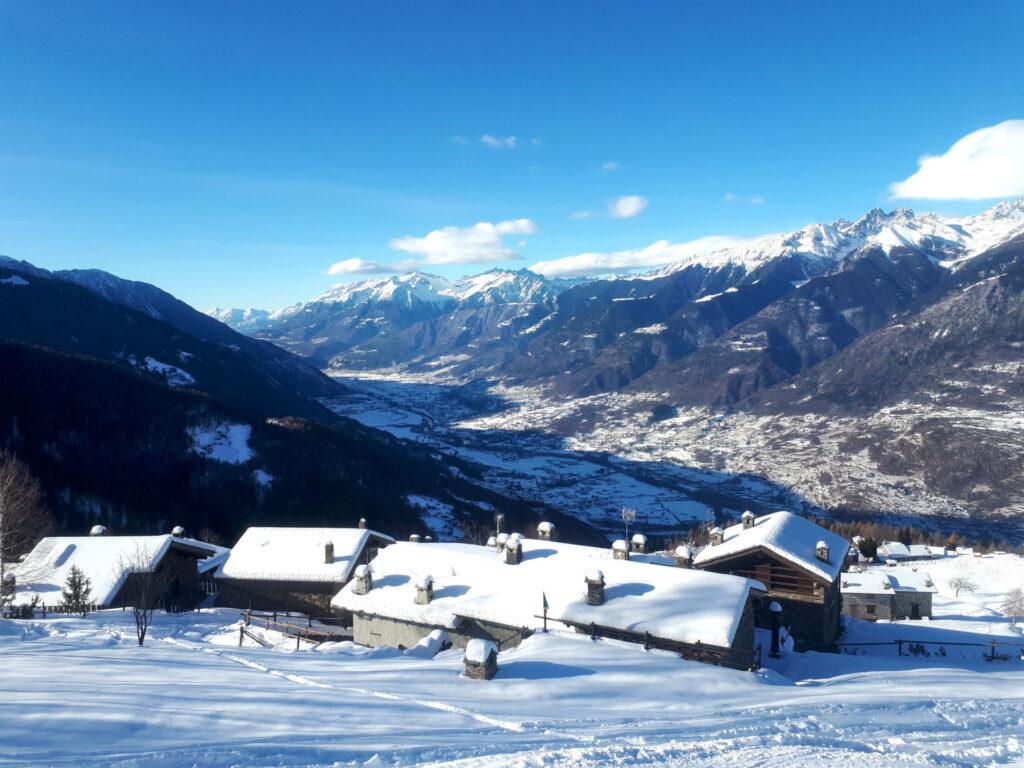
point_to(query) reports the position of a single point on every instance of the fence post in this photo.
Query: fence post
(593, 632)
(241, 632)
(647, 640)
(296, 642)
(900, 644)
(993, 643)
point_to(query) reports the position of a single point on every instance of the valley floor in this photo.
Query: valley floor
(80, 692)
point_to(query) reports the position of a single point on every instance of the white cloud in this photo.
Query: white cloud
(460, 140)
(537, 141)
(478, 244)
(729, 197)
(360, 267)
(985, 164)
(584, 215)
(627, 206)
(658, 254)
(499, 142)
(610, 167)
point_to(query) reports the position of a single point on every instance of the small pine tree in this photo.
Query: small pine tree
(76, 590)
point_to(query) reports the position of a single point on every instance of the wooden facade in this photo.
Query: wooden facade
(811, 605)
(178, 572)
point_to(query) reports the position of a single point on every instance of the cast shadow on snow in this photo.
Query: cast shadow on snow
(540, 670)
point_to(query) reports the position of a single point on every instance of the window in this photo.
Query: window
(869, 609)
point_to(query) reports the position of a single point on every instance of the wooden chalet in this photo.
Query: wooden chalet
(798, 562)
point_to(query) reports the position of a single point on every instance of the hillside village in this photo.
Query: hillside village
(308, 615)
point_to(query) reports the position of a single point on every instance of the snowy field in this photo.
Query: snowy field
(80, 692)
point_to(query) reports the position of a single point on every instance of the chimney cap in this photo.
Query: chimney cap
(716, 529)
(639, 538)
(545, 527)
(683, 550)
(362, 571)
(821, 545)
(747, 514)
(425, 582)
(594, 576)
(502, 538)
(178, 531)
(620, 544)
(414, 538)
(98, 530)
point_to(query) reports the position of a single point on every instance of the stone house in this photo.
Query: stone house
(300, 569)
(889, 594)
(797, 561)
(111, 563)
(498, 593)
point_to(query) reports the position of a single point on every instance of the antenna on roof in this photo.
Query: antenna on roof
(628, 516)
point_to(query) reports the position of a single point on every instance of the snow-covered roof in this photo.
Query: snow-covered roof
(296, 554)
(791, 537)
(894, 549)
(877, 581)
(471, 582)
(44, 571)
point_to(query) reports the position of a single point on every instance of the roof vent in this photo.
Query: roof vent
(821, 551)
(595, 587)
(886, 584)
(620, 550)
(639, 543)
(748, 519)
(716, 535)
(414, 538)
(178, 531)
(98, 530)
(546, 531)
(362, 522)
(684, 557)
(424, 590)
(364, 580)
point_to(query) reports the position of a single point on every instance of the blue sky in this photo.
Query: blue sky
(232, 152)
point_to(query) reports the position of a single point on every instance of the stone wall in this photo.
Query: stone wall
(375, 631)
(903, 603)
(856, 605)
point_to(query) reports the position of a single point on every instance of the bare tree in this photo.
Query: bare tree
(143, 589)
(23, 518)
(1013, 604)
(962, 583)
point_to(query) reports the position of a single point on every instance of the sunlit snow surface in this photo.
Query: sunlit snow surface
(80, 692)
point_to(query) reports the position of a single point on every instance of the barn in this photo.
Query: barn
(797, 561)
(301, 569)
(889, 594)
(110, 563)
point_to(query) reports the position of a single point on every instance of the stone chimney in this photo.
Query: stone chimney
(716, 536)
(501, 541)
(821, 550)
(329, 552)
(362, 522)
(415, 538)
(98, 530)
(748, 519)
(546, 531)
(638, 543)
(178, 531)
(620, 550)
(684, 557)
(595, 587)
(513, 552)
(363, 580)
(424, 590)
(428, 539)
